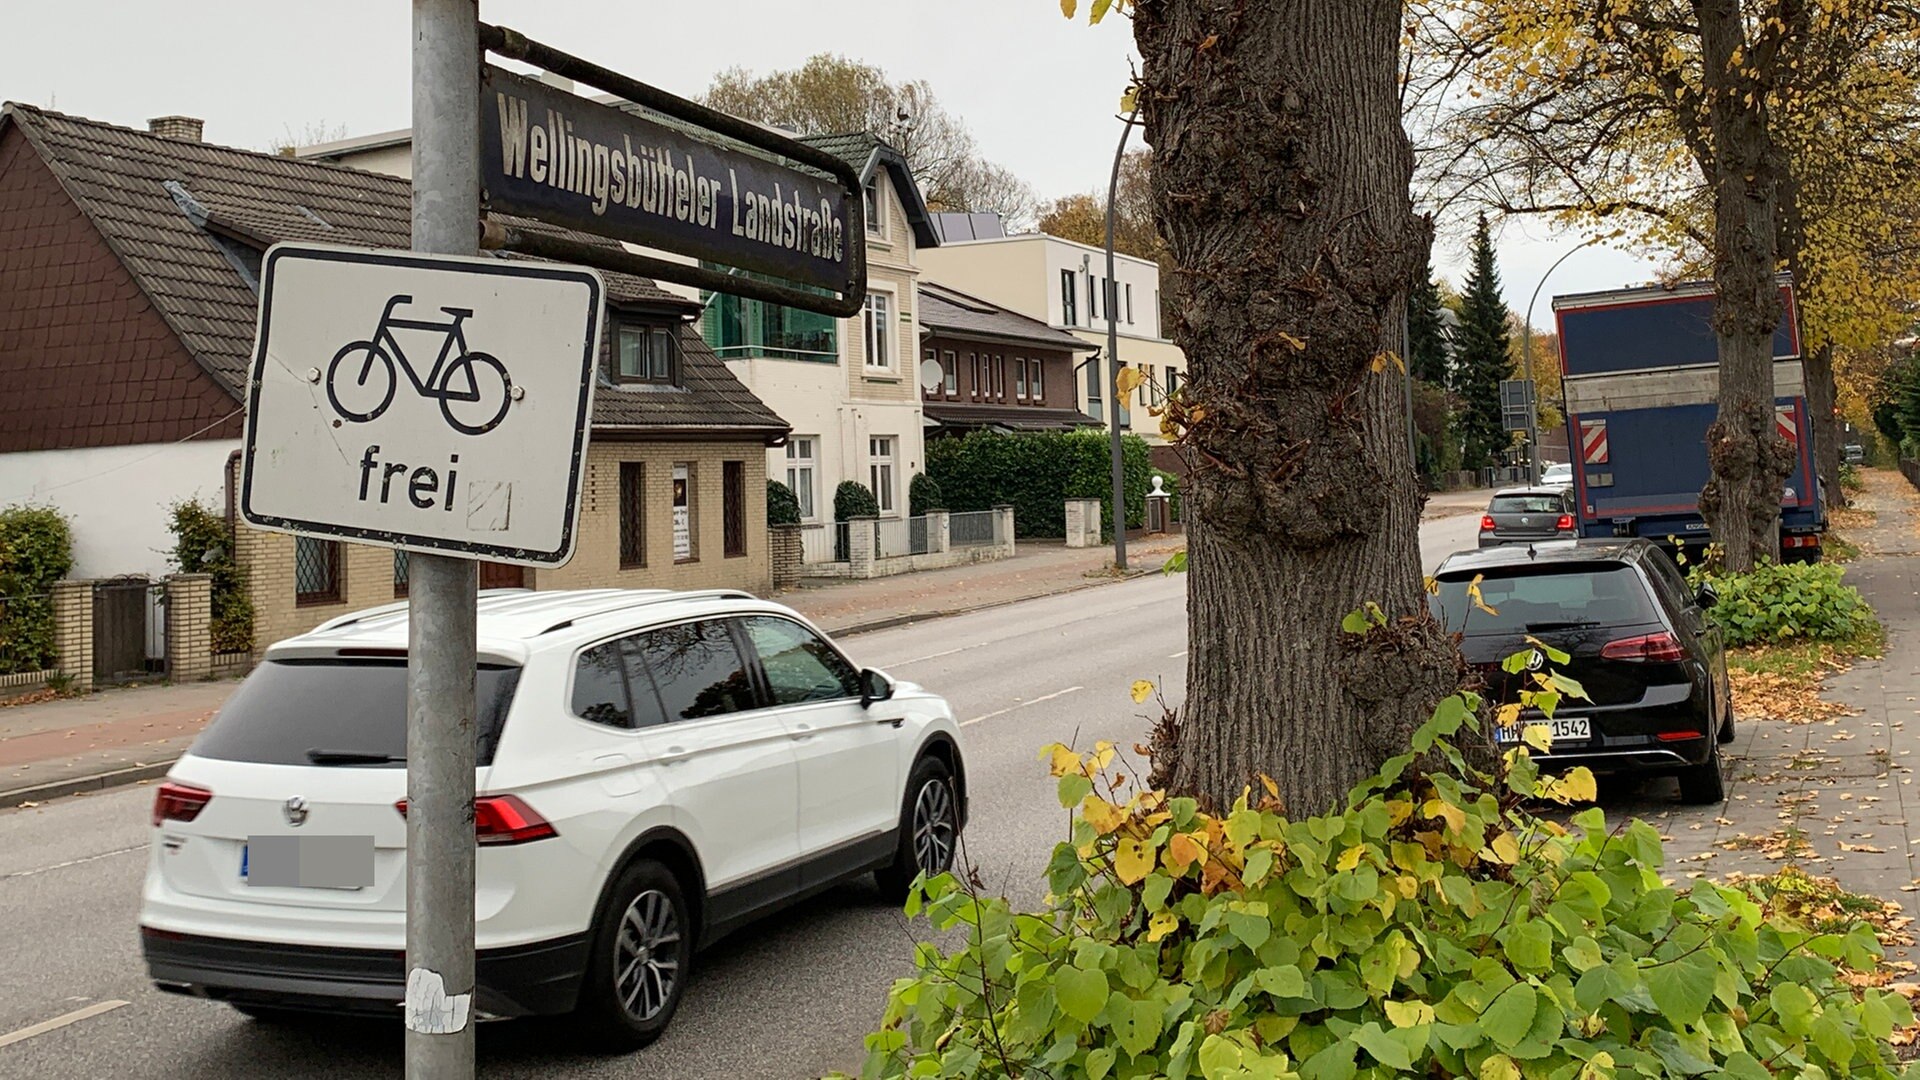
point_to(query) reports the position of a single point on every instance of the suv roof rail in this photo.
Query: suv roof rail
(644, 601)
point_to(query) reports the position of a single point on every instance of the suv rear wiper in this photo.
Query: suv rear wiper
(1564, 624)
(350, 757)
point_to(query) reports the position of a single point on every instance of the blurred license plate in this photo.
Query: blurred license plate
(1563, 729)
(308, 862)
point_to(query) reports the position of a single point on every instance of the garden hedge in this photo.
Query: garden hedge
(1036, 472)
(36, 550)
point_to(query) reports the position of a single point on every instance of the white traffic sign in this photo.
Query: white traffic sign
(424, 402)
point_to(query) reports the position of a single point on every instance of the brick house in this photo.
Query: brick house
(128, 277)
(998, 369)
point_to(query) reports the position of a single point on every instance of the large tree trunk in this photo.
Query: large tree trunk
(1822, 399)
(1816, 363)
(1741, 501)
(1281, 174)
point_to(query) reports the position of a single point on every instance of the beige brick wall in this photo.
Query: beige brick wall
(367, 578)
(73, 632)
(596, 559)
(189, 627)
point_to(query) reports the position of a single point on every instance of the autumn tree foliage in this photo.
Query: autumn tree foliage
(1083, 216)
(1719, 131)
(829, 94)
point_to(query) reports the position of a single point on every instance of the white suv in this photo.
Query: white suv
(655, 769)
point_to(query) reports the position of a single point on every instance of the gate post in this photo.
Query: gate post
(189, 601)
(73, 633)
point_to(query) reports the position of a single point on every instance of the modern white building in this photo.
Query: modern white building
(1064, 284)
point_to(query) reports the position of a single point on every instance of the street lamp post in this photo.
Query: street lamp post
(1113, 355)
(1526, 355)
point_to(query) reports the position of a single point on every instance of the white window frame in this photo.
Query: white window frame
(881, 450)
(868, 335)
(1036, 386)
(874, 197)
(805, 464)
(1020, 378)
(1069, 297)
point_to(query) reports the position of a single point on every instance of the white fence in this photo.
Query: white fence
(824, 543)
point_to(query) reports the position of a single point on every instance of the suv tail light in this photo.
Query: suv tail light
(179, 802)
(502, 819)
(1565, 523)
(1660, 648)
(1486, 522)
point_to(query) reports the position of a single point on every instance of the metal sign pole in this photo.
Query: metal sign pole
(1113, 357)
(441, 648)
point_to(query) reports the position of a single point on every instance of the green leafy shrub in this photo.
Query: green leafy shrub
(203, 544)
(1782, 602)
(853, 499)
(1036, 472)
(1850, 478)
(783, 506)
(923, 494)
(1432, 927)
(36, 550)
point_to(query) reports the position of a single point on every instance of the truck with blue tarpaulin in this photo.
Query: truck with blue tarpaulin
(1640, 369)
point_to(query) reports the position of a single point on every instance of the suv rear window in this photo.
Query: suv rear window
(350, 709)
(1526, 504)
(1545, 597)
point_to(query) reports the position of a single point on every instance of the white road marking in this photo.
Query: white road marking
(938, 655)
(72, 862)
(59, 1022)
(1021, 705)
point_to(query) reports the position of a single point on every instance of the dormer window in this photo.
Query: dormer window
(647, 353)
(876, 224)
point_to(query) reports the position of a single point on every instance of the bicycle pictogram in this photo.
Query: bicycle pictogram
(472, 403)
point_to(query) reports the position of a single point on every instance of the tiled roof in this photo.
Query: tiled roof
(856, 148)
(949, 311)
(1011, 417)
(189, 220)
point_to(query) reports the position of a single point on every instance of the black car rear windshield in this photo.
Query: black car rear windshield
(1526, 504)
(1543, 597)
(340, 712)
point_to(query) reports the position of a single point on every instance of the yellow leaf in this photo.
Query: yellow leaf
(1102, 755)
(1578, 785)
(1132, 860)
(1538, 736)
(1290, 341)
(1473, 594)
(1061, 760)
(1455, 817)
(1433, 586)
(1409, 885)
(1505, 848)
(1350, 858)
(1499, 1067)
(1129, 379)
(1183, 850)
(1101, 814)
(1142, 690)
(1507, 715)
(1130, 100)
(1598, 1067)
(1385, 357)
(1162, 924)
(1409, 1013)
(1398, 811)
(1273, 789)
(1067, 7)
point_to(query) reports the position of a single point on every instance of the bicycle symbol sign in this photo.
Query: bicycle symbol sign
(422, 402)
(473, 388)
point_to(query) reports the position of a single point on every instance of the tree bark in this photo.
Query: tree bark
(1741, 501)
(1816, 364)
(1281, 173)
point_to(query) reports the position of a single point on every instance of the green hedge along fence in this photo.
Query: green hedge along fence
(1036, 472)
(36, 550)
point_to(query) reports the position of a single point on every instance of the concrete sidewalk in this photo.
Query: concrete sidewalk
(1833, 796)
(1443, 504)
(119, 736)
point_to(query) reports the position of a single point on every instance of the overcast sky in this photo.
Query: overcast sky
(1039, 92)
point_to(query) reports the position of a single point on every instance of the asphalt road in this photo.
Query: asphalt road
(789, 998)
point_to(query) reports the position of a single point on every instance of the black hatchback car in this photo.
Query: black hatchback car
(1639, 641)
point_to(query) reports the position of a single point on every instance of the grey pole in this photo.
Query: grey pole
(1113, 357)
(441, 611)
(1526, 357)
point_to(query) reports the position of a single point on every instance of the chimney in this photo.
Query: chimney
(184, 128)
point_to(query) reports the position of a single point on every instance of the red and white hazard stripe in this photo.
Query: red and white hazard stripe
(1786, 424)
(1593, 441)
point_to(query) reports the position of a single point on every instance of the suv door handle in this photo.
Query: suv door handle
(802, 732)
(894, 722)
(675, 755)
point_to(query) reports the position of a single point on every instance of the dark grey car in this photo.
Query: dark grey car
(1522, 515)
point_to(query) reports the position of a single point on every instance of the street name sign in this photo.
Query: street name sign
(424, 402)
(558, 157)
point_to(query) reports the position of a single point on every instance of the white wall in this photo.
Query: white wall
(116, 497)
(812, 398)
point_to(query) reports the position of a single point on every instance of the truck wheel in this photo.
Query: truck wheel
(1702, 784)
